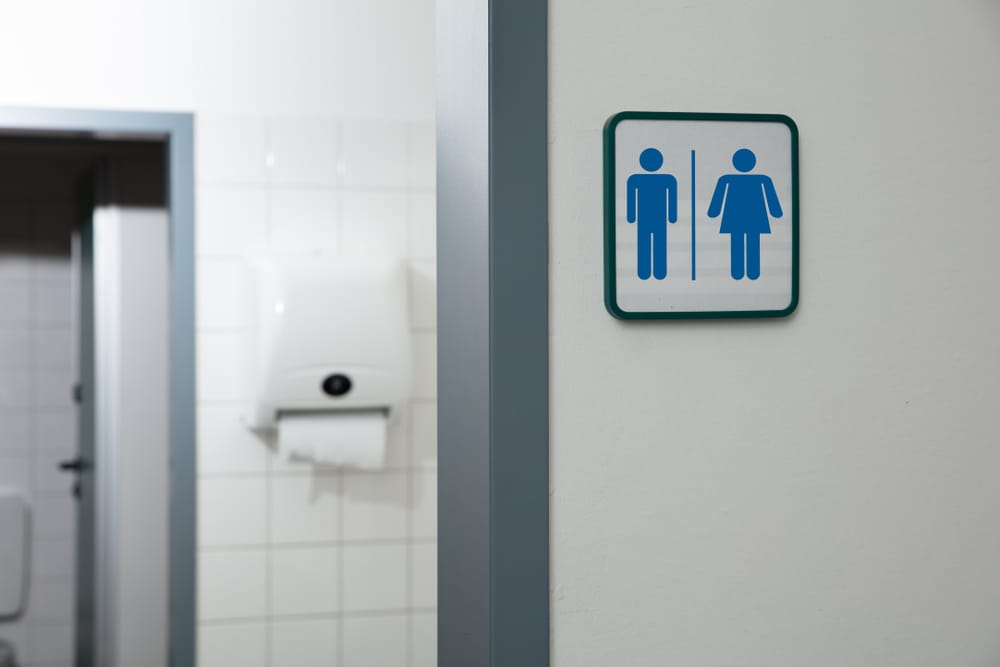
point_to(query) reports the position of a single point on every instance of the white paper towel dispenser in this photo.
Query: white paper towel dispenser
(330, 336)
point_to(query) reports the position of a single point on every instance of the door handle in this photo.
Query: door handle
(76, 465)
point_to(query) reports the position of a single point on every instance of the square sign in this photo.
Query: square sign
(701, 215)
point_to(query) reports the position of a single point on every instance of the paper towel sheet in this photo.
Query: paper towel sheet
(350, 439)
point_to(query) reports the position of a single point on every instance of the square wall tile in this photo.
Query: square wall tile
(15, 432)
(53, 558)
(379, 641)
(397, 446)
(13, 302)
(15, 470)
(50, 643)
(304, 221)
(374, 223)
(52, 388)
(375, 577)
(232, 148)
(55, 428)
(236, 645)
(54, 517)
(374, 153)
(425, 434)
(424, 562)
(51, 598)
(422, 216)
(425, 365)
(231, 220)
(375, 506)
(54, 347)
(306, 151)
(422, 169)
(223, 368)
(232, 512)
(424, 504)
(225, 444)
(423, 295)
(46, 476)
(305, 508)
(232, 584)
(304, 643)
(424, 651)
(15, 271)
(52, 304)
(223, 293)
(15, 348)
(53, 266)
(304, 580)
(14, 388)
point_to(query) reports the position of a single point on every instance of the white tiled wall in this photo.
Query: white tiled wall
(37, 417)
(303, 566)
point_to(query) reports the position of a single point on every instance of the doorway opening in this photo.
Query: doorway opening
(94, 367)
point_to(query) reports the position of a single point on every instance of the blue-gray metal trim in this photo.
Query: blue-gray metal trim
(493, 333)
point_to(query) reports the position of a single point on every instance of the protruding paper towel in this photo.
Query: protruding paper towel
(352, 439)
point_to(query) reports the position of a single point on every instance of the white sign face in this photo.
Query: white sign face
(701, 215)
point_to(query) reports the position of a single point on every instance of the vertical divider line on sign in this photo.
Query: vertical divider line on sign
(693, 253)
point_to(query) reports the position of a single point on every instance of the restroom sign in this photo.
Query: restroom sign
(701, 215)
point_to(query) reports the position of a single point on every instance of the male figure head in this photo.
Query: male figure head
(651, 159)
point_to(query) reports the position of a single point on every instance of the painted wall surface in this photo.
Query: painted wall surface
(313, 135)
(815, 491)
(341, 57)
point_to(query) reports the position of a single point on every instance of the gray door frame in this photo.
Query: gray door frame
(492, 185)
(177, 129)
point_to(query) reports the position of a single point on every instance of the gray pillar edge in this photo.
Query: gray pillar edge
(178, 130)
(492, 78)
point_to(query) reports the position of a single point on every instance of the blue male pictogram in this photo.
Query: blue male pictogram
(652, 200)
(744, 201)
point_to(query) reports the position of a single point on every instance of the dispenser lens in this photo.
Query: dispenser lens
(337, 385)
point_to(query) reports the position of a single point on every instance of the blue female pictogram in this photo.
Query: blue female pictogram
(744, 201)
(652, 200)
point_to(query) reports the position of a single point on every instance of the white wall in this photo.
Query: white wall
(317, 57)
(817, 491)
(313, 134)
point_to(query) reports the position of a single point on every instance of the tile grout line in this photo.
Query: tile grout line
(313, 616)
(410, 440)
(268, 575)
(338, 204)
(268, 527)
(336, 186)
(339, 138)
(327, 544)
(288, 474)
(29, 484)
(340, 570)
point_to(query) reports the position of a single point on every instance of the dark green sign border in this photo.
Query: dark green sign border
(610, 287)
